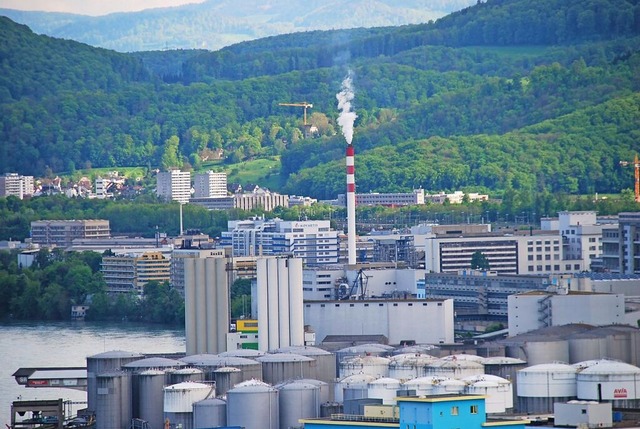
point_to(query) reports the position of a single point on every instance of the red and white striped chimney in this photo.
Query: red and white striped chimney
(351, 205)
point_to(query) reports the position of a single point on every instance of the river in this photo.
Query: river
(44, 344)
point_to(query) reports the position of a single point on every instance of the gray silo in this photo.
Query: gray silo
(179, 399)
(298, 400)
(226, 378)
(113, 400)
(325, 361)
(326, 389)
(101, 363)
(186, 374)
(353, 387)
(209, 413)
(253, 405)
(280, 367)
(251, 369)
(244, 353)
(151, 396)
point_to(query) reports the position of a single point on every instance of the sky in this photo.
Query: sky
(90, 7)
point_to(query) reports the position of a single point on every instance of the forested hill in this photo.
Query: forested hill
(524, 116)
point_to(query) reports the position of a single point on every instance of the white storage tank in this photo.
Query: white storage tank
(353, 387)
(179, 400)
(498, 391)
(611, 381)
(325, 361)
(385, 389)
(151, 399)
(376, 366)
(251, 369)
(253, 405)
(209, 413)
(464, 357)
(448, 386)
(279, 367)
(539, 386)
(362, 350)
(298, 400)
(454, 368)
(418, 348)
(113, 400)
(102, 363)
(409, 365)
(186, 374)
(423, 386)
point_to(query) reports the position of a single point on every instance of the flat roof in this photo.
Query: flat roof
(439, 398)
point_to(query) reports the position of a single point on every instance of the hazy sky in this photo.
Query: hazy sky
(90, 7)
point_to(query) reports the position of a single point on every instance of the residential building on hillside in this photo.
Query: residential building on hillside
(210, 185)
(13, 184)
(61, 233)
(174, 185)
(246, 201)
(130, 272)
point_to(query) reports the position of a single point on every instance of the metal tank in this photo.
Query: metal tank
(113, 400)
(209, 413)
(499, 391)
(539, 386)
(418, 348)
(226, 378)
(151, 396)
(253, 405)
(586, 346)
(244, 353)
(376, 366)
(448, 386)
(105, 362)
(298, 400)
(186, 374)
(326, 392)
(464, 357)
(454, 368)
(610, 381)
(179, 400)
(385, 389)
(361, 351)
(251, 369)
(541, 352)
(325, 361)
(353, 387)
(409, 365)
(280, 367)
(422, 386)
(505, 367)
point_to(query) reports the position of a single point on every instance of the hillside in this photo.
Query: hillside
(217, 23)
(503, 116)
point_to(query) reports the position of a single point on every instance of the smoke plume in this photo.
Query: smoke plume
(347, 116)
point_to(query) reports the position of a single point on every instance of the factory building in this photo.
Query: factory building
(210, 185)
(61, 233)
(13, 184)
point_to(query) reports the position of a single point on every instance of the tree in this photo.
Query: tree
(479, 261)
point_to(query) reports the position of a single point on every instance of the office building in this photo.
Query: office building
(130, 272)
(174, 185)
(621, 245)
(210, 185)
(61, 233)
(13, 184)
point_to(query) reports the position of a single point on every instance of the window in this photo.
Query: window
(473, 409)
(530, 257)
(454, 411)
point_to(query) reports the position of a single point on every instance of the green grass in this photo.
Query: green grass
(264, 172)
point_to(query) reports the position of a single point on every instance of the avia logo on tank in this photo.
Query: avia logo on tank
(620, 393)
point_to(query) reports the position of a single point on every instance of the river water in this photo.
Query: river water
(45, 344)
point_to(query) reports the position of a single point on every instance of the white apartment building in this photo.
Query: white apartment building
(210, 185)
(174, 185)
(16, 185)
(621, 245)
(581, 236)
(312, 241)
(130, 272)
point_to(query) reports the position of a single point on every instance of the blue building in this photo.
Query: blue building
(430, 412)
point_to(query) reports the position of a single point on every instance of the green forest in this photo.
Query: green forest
(506, 95)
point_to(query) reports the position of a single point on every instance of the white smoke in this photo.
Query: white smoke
(347, 117)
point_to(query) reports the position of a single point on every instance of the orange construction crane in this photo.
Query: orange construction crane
(304, 105)
(636, 166)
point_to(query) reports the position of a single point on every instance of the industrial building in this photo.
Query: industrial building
(13, 184)
(619, 245)
(174, 185)
(178, 256)
(61, 233)
(210, 185)
(129, 272)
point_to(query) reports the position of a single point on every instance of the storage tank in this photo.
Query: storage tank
(499, 391)
(179, 399)
(105, 362)
(541, 352)
(448, 386)
(186, 374)
(151, 396)
(226, 378)
(113, 400)
(464, 357)
(209, 413)
(376, 366)
(385, 389)
(611, 381)
(253, 405)
(243, 353)
(326, 393)
(505, 367)
(298, 400)
(454, 368)
(409, 365)
(251, 369)
(423, 386)
(280, 367)
(325, 361)
(418, 348)
(353, 387)
(539, 386)
(362, 350)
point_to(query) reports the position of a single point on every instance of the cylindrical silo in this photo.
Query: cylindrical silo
(209, 413)
(253, 405)
(376, 366)
(297, 401)
(385, 389)
(353, 387)
(422, 386)
(151, 396)
(226, 378)
(539, 386)
(454, 368)
(417, 349)
(448, 386)
(326, 389)
(179, 400)
(541, 352)
(325, 361)
(363, 350)
(610, 381)
(504, 391)
(105, 362)
(251, 369)
(113, 400)
(408, 366)
(280, 367)
(464, 357)
(243, 353)
(186, 374)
